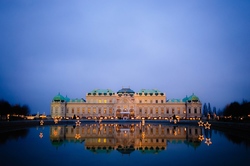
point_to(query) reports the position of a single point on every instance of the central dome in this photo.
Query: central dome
(126, 90)
(193, 98)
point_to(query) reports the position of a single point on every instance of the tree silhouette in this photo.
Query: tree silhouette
(6, 108)
(205, 111)
(237, 110)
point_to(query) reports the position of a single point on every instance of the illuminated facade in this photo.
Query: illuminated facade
(126, 138)
(126, 104)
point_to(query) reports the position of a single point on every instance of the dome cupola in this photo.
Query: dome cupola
(193, 98)
(58, 98)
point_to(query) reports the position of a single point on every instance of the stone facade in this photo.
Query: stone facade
(126, 104)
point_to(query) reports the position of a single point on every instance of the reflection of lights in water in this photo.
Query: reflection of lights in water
(200, 123)
(207, 125)
(41, 135)
(127, 131)
(41, 122)
(143, 122)
(143, 135)
(55, 133)
(78, 136)
(208, 141)
(201, 137)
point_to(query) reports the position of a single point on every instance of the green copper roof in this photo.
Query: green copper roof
(185, 99)
(149, 91)
(193, 98)
(175, 100)
(67, 99)
(59, 97)
(77, 100)
(101, 91)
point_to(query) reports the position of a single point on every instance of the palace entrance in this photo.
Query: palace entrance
(125, 113)
(125, 104)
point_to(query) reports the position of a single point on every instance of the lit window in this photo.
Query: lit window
(99, 101)
(105, 101)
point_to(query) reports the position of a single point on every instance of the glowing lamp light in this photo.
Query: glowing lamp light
(200, 123)
(208, 141)
(78, 123)
(56, 121)
(78, 136)
(207, 125)
(41, 122)
(41, 135)
(201, 137)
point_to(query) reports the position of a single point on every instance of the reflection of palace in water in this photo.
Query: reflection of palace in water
(126, 137)
(126, 104)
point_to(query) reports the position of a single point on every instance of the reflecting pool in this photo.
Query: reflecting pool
(123, 144)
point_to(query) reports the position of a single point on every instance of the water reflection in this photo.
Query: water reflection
(14, 134)
(124, 143)
(126, 138)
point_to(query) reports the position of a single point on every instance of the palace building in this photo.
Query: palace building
(126, 104)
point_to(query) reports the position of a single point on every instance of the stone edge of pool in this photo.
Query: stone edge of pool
(6, 125)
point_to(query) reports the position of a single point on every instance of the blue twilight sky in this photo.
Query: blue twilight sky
(177, 46)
